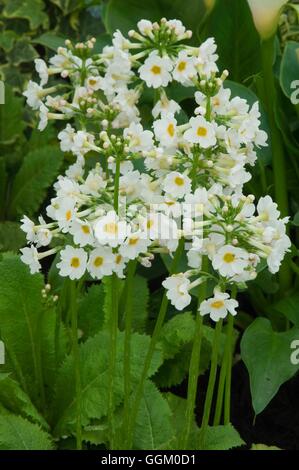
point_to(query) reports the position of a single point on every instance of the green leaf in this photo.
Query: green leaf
(90, 311)
(266, 354)
(222, 438)
(11, 113)
(37, 173)
(50, 39)
(3, 187)
(31, 10)
(94, 367)
(11, 236)
(177, 332)
(14, 399)
(238, 43)
(17, 433)
(153, 429)
(289, 307)
(21, 52)
(140, 299)
(296, 219)
(7, 39)
(20, 309)
(289, 67)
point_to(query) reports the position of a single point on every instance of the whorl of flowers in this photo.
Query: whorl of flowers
(156, 180)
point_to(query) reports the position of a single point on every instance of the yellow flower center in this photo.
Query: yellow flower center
(111, 228)
(98, 261)
(156, 69)
(92, 81)
(179, 181)
(133, 240)
(217, 304)
(170, 129)
(68, 215)
(201, 131)
(75, 262)
(182, 66)
(85, 229)
(118, 259)
(149, 223)
(229, 257)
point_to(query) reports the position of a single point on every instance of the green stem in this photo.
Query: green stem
(127, 347)
(76, 358)
(150, 352)
(227, 395)
(113, 325)
(194, 363)
(211, 383)
(278, 157)
(40, 376)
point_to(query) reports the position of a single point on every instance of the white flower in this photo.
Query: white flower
(82, 232)
(43, 117)
(66, 138)
(156, 70)
(207, 57)
(145, 26)
(73, 262)
(177, 26)
(201, 132)
(176, 184)
(93, 183)
(229, 260)
(138, 138)
(184, 69)
(164, 106)
(194, 259)
(33, 93)
(165, 131)
(30, 257)
(75, 171)
(42, 70)
(29, 228)
(119, 264)
(109, 230)
(100, 262)
(218, 306)
(64, 212)
(160, 227)
(135, 244)
(177, 290)
(266, 15)
(267, 209)
(94, 83)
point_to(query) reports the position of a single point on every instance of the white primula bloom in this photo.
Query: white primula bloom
(29, 228)
(75, 171)
(66, 138)
(267, 209)
(30, 257)
(119, 265)
(42, 70)
(33, 93)
(201, 132)
(229, 260)
(207, 58)
(138, 138)
(177, 290)
(218, 306)
(43, 117)
(164, 106)
(160, 227)
(100, 262)
(110, 230)
(72, 262)
(176, 184)
(194, 259)
(93, 183)
(135, 244)
(64, 213)
(82, 232)
(177, 26)
(156, 70)
(265, 15)
(165, 131)
(145, 27)
(184, 69)
(94, 83)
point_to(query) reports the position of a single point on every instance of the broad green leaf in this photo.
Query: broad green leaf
(222, 438)
(21, 52)
(94, 369)
(31, 10)
(7, 39)
(296, 219)
(11, 114)
(289, 306)
(153, 429)
(3, 187)
(14, 399)
(11, 236)
(37, 173)
(50, 40)
(177, 332)
(20, 309)
(289, 68)
(17, 433)
(263, 447)
(238, 43)
(266, 354)
(140, 298)
(90, 311)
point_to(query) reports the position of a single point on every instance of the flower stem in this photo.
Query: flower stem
(278, 159)
(211, 384)
(194, 363)
(127, 347)
(150, 352)
(227, 396)
(76, 358)
(113, 325)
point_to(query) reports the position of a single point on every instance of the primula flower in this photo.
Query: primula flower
(218, 306)
(72, 262)
(156, 70)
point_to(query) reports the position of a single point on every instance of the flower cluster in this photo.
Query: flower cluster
(156, 180)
